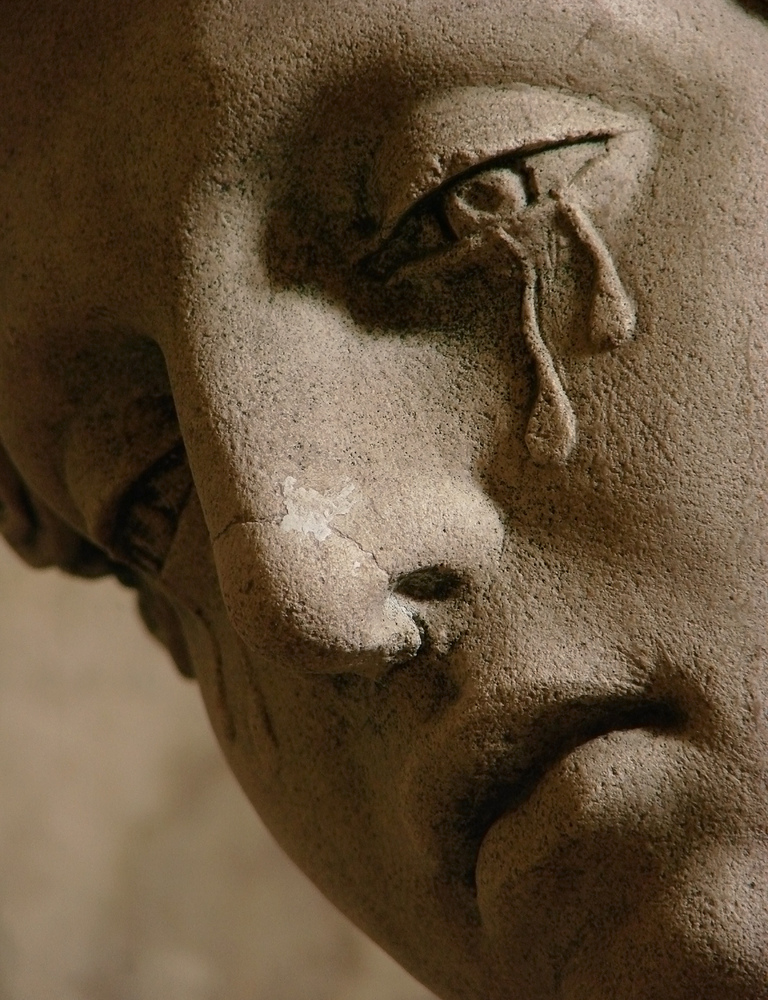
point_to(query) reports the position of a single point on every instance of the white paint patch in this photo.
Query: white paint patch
(313, 513)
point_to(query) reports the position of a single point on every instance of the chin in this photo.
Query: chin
(696, 933)
(705, 938)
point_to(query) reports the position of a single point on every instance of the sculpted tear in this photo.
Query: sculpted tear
(496, 206)
(508, 214)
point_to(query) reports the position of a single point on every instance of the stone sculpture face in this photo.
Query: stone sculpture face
(412, 357)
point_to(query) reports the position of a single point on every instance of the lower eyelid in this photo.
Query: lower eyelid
(454, 256)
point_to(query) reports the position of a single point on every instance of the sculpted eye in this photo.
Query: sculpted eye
(508, 216)
(429, 229)
(511, 192)
(148, 513)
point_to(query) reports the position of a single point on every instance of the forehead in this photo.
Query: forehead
(124, 117)
(117, 111)
(180, 75)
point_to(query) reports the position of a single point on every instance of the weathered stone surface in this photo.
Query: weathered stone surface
(131, 866)
(410, 359)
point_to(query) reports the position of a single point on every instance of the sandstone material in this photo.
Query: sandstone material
(410, 360)
(131, 866)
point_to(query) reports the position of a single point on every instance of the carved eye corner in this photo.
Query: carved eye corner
(148, 513)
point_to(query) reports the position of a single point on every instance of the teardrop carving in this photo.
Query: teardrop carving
(612, 315)
(551, 432)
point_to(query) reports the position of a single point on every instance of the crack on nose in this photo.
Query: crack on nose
(243, 520)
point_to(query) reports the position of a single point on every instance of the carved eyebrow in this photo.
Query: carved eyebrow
(469, 128)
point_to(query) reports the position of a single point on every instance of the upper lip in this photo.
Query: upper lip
(510, 767)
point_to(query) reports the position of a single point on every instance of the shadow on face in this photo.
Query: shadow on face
(415, 375)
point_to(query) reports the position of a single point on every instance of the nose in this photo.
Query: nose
(319, 597)
(303, 588)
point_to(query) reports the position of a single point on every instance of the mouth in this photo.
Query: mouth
(512, 773)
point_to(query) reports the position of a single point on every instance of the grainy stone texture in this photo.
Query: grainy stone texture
(409, 358)
(131, 866)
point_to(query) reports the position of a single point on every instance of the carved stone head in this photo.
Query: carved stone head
(410, 360)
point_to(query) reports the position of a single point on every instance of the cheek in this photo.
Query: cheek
(200, 634)
(290, 737)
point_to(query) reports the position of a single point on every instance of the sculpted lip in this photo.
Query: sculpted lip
(510, 777)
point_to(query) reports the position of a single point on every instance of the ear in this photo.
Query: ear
(39, 535)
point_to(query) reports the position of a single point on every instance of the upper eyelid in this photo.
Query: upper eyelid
(469, 129)
(507, 158)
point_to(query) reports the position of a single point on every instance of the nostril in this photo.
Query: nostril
(431, 583)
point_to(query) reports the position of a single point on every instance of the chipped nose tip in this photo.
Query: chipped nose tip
(326, 601)
(394, 637)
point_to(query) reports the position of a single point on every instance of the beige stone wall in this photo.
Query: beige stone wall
(131, 867)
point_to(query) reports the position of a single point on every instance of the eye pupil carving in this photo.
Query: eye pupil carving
(500, 192)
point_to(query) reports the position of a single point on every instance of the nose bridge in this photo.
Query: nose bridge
(214, 350)
(330, 543)
(292, 572)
